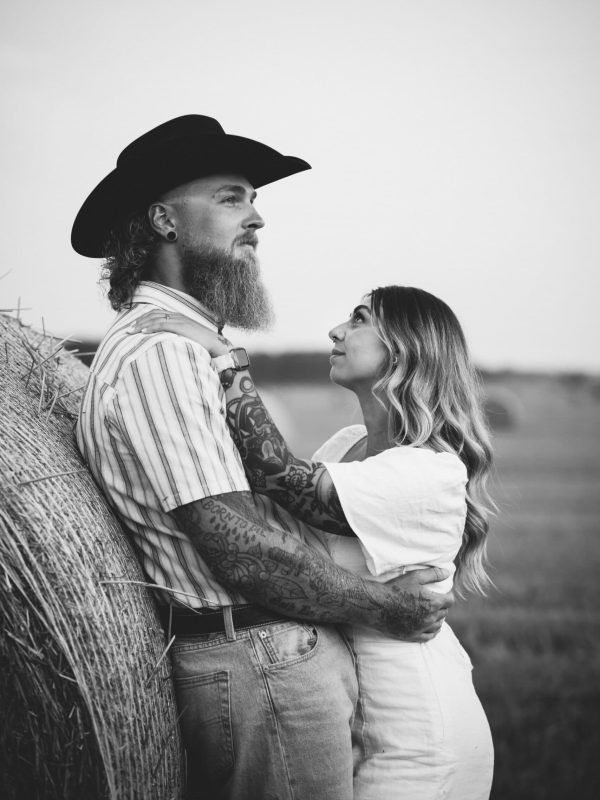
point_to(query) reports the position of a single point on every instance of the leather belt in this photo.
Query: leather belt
(186, 622)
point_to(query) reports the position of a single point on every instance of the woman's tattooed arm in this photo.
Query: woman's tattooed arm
(303, 487)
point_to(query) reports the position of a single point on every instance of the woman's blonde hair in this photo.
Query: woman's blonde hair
(433, 396)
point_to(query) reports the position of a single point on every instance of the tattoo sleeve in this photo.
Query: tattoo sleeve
(276, 570)
(303, 487)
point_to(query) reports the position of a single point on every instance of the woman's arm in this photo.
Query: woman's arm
(301, 486)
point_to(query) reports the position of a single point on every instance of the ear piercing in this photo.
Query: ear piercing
(172, 236)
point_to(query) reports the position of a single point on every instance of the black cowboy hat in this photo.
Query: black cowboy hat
(174, 153)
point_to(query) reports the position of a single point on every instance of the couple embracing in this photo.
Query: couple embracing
(307, 597)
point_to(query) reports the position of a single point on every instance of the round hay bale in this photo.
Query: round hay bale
(88, 706)
(503, 409)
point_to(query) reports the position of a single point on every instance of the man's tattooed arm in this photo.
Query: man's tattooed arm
(303, 487)
(274, 569)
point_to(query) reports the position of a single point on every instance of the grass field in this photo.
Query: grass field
(535, 640)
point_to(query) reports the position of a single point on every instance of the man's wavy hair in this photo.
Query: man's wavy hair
(128, 250)
(433, 396)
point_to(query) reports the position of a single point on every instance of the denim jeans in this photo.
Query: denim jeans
(267, 715)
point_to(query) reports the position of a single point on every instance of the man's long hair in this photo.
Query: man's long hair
(432, 393)
(128, 250)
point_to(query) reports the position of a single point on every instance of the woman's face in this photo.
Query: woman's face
(358, 354)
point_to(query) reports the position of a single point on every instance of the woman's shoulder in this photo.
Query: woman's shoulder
(433, 467)
(338, 445)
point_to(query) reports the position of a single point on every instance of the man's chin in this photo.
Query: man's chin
(228, 284)
(245, 252)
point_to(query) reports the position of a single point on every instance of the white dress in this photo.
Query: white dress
(420, 731)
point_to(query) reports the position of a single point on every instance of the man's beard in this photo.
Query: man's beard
(230, 288)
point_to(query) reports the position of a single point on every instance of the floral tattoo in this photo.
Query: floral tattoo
(303, 487)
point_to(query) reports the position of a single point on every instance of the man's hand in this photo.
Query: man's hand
(276, 570)
(414, 610)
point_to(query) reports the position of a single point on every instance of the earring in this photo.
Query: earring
(172, 236)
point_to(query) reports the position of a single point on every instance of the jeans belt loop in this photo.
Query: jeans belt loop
(228, 620)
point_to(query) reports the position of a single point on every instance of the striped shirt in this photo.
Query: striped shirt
(152, 430)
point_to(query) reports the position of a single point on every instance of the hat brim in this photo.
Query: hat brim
(141, 181)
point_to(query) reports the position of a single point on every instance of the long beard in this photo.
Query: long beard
(231, 288)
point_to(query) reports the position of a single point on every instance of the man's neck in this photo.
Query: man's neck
(166, 269)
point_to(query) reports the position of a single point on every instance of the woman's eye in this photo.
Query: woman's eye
(357, 317)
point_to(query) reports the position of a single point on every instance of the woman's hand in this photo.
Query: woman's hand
(163, 321)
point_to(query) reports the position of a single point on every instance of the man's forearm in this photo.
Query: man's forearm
(276, 570)
(301, 486)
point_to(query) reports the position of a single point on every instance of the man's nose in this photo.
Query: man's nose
(254, 220)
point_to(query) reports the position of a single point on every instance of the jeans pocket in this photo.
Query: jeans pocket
(284, 645)
(205, 705)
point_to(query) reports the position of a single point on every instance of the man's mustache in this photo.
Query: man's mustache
(248, 238)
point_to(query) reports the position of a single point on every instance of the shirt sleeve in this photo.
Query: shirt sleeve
(167, 407)
(338, 444)
(407, 507)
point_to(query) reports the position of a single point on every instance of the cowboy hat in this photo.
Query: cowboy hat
(174, 153)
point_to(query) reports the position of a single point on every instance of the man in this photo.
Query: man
(267, 700)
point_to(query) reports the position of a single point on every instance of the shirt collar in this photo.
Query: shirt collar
(174, 301)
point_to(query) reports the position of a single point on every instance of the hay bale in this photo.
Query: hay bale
(503, 409)
(88, 708)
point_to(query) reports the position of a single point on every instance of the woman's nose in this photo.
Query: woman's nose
(336, 334)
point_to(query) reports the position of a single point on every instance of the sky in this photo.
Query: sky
(455, 146)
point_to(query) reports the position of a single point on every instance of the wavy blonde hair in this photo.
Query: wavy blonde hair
(433, 396)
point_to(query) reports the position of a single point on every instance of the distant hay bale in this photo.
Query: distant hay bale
(502, 408)
(86, 696)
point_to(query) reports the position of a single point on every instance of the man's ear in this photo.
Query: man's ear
(162, 218)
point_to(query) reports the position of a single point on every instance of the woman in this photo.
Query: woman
(404, 490)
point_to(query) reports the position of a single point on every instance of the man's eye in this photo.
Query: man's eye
(231, 198)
